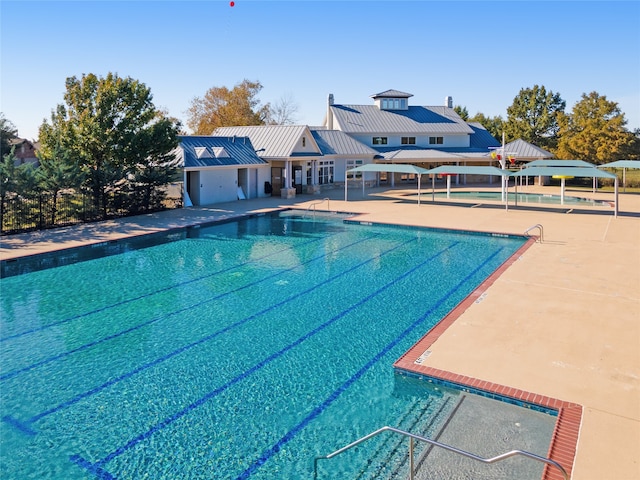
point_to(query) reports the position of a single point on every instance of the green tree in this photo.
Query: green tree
(57, 173)
(533, 117)
(105, 126)
(221, 107)
(16, 182)
(8, 182)
(632, 150)
(463, 112)
(494, 125)
(594, 131)
(149, 178)
(8, 132)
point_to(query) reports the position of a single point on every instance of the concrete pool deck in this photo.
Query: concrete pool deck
(562, 321)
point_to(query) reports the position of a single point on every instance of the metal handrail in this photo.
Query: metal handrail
(539, 227)
(317, 202)
(413, 436)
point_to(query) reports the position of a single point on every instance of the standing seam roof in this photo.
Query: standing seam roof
(275, 141)
(239, 150)
(414, 120)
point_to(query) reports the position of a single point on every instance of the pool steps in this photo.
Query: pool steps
(395, 458)
(413, 437)
(390, 458)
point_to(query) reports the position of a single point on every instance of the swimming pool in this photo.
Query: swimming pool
(242, 349)
(523, 198)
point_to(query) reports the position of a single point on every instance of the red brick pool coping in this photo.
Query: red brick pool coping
(564, 440)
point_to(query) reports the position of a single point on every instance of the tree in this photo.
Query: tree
(8, 132)
(8, 182)
(594, 131)
(533, 117)
(494, 125)
(149, 177)
(283, 112)
(16, 181)
(462, 111)
(221, 107)
(105, 128)
(633, 150)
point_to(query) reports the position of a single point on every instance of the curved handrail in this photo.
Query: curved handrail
(413, 436)
(317, 202)
(539, 227)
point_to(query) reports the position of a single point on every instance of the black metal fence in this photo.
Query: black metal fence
(22, 214)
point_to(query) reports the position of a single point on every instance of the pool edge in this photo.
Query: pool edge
(564, 440)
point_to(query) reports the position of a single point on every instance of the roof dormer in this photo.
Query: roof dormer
(392, 100)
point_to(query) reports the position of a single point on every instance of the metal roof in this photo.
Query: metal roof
(335, 142)
(392, 94)
(621, 164)
(559, 163)
(207, 151)
(562, 171)
(523, 150)
(271, 141)
(417, 154)
(415, 120)
(481, 139)
(389, 167)
(463, 170)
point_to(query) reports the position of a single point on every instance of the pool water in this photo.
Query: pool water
(238, 350)
(524, 198)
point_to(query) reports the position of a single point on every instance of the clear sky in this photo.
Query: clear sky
(480, 53)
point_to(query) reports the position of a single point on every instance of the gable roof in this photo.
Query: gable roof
(335, 142)
(392, 94)
(207, 151)
(524, 150)
(415, 120)
(272, 141)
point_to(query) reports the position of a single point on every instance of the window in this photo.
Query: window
(394, 103)
(408, 140)
(436, 140)
(379, 141)
(325, 172)
(304, 141)
(353, 164)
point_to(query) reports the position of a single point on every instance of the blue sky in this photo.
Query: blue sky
(480, 53)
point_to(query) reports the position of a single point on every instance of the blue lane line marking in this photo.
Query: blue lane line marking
(255, 368)
(25, 426)
(98, 471)
(155, 292)
(267, 454)
(27, 368)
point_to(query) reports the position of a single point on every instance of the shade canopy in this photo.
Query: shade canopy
(622, 164)
(468, 170)
(560, 163)
(386, 167)
(389, 167)
(562, 171)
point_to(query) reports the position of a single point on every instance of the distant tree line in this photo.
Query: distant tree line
(594, 131)
(107, 142)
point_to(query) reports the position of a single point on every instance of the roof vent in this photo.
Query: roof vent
(448, 102)
(220, 152)
(203, 152)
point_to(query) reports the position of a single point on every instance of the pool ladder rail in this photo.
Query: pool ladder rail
(534, 227)
(317, 202)
(413, 437)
